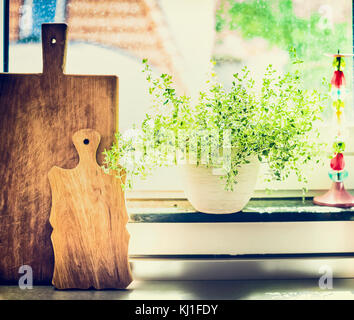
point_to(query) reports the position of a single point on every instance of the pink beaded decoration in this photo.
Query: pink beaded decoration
(337, 196)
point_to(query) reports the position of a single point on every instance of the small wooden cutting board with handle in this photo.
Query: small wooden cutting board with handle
(89, 218)
(39, 113)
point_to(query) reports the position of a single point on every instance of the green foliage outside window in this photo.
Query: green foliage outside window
(276, 22)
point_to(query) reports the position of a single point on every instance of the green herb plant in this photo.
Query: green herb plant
(274, 124)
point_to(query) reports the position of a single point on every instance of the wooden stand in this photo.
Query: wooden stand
(337, 196)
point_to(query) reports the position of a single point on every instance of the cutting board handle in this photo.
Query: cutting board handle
(54, 47)
(86, 142)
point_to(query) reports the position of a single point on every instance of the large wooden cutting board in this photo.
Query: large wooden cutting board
(39, 113)
(89, 219)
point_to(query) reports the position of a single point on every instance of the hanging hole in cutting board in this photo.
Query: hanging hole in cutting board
(54, 41)
(86, 141)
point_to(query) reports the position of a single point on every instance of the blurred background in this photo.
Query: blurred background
(180, 37)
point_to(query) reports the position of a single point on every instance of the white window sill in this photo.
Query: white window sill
(242, 268)
(267, 241)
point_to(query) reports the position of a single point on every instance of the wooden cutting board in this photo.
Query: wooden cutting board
(39, 113)
(89, 218)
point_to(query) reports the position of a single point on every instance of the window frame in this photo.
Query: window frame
(5, 30)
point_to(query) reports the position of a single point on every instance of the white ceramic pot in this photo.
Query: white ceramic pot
(206, 191)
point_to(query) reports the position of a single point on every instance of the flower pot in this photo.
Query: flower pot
(206, 191)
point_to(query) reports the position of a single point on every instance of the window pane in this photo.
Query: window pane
(258, 32)
(180, 37)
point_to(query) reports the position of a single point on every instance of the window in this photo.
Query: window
(180, 37)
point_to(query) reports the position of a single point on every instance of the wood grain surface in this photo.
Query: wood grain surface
(89, 218)
(39, 113)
